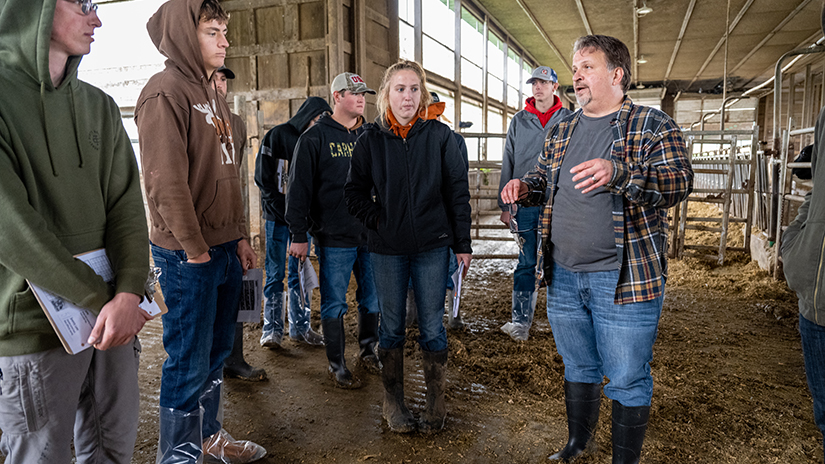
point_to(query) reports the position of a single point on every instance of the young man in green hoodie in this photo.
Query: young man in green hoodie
(198, 230)
(68, 184)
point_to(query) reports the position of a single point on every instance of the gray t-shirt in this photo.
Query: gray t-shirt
(581, 227)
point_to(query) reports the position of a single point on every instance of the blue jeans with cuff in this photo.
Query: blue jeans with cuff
(428, 271)
(199, 329)
(337, 265)
(598, 338)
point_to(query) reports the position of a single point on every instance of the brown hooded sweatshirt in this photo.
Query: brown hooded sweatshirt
(190, 165)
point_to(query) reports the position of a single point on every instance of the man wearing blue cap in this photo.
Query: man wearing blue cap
(525, 139)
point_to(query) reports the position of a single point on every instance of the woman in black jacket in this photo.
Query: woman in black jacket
(408, 184)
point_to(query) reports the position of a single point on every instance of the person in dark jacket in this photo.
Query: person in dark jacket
(271, 169)
(525, 139)
(802, 255)
(235, 366)
(436, 109)
(407, 183)
(315, 204)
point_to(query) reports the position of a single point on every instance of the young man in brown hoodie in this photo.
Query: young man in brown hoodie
(198, 230)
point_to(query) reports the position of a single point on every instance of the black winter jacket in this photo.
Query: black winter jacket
(315, 199)
(279, 144)
(422, 197)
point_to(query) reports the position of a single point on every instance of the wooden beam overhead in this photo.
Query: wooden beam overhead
(586, 23)
(721, 41)
(544, 35)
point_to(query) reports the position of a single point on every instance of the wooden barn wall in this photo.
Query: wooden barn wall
(283, 51)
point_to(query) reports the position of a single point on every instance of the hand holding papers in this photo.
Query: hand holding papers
(458, 278)
(308, 280)
(251, 295)
(72, 323)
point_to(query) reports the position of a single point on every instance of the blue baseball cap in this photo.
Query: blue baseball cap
(544, 73)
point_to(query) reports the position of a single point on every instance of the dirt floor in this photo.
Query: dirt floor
(729, 384)
(728, 371)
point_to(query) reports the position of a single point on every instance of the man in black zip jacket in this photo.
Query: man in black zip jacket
(271, 170)
(315, 204)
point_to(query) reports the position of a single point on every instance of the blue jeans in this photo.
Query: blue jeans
(277, 241)
(598, 338)
(428, 271)
(813, 349)
(524, 278)
(199, 329)
(277, 238)
(337, 265)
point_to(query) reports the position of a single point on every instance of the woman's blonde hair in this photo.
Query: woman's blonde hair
(383, 101)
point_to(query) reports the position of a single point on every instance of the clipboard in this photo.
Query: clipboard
(74, 324)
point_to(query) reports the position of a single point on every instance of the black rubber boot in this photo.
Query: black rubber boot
(235, 366)
(334, 342)
(629, 426)
(399, 418)
(435, 375)
(582, 401)
(367, 340)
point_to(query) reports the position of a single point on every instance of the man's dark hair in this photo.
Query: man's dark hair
(614, 50)
(212, 9)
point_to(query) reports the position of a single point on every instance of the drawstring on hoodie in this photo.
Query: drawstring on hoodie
(76, 129)
(45, 126)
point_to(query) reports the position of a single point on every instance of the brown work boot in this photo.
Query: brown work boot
(222, 448)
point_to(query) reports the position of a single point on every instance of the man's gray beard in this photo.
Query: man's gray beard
(584, 99)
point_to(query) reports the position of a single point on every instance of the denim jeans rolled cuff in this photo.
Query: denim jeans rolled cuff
(813, 351)
(524, 277)
(277, 240)
(598, 338)
(299, 317)
(428, 273)
(337, 265)
(199, 328)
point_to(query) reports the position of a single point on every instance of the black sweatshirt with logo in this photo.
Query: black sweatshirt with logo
(315, 199)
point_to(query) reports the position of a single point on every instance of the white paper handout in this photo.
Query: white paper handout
(458, 277)
(72, 323)
(308, 279)
(249, 308)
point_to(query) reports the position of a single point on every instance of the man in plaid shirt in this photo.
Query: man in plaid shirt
(606, 177)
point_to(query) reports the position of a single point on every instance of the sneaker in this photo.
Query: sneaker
(271, 340)
(222, 448)
(516, 331)
(310, 337)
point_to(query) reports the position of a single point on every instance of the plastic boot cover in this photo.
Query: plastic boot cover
(454, 323)
(412, 309)
(299, 316)
(310, 337)
(222, 448)
(212, 405)
(524, 305)
(271, 339)
(235, 366)
(180, 437)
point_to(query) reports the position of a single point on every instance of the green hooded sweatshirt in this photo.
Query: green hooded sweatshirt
(68, 184)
